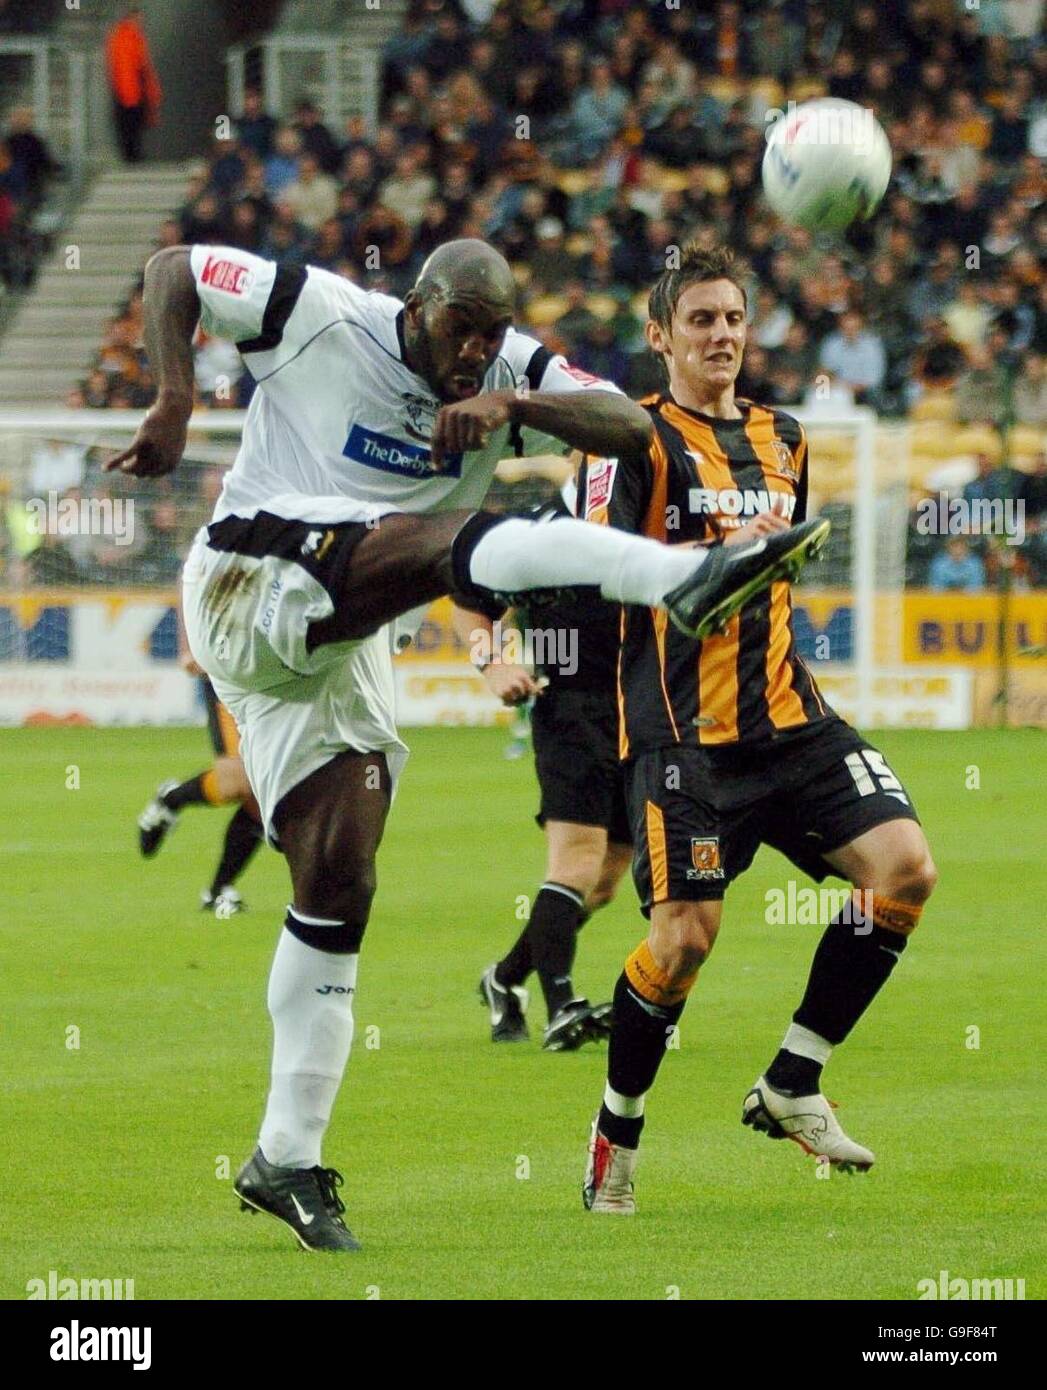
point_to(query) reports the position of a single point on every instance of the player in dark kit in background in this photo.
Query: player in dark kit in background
(729, 745)
(222, 784)
(574, 725)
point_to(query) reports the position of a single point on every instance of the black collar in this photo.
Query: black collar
(400, 337)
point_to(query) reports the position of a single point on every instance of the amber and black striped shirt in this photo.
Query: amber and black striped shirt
(700, 478)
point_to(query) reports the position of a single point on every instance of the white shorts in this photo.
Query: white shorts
(247, 610)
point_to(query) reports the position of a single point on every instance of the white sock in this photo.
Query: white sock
(517, 555)
(312, 1035)
(625, 1107)
(804, 1043)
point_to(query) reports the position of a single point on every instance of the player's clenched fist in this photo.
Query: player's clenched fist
(468, 424)
(158, 446)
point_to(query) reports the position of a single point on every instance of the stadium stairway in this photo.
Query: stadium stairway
(50, 345)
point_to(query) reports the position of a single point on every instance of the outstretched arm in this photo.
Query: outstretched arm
(171, 308)
(597, 422)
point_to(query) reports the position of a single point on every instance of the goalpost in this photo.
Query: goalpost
(859, 423)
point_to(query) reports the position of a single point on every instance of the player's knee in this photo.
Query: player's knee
(342, 890)
(913, 875)
(682, 935)
(574, 860)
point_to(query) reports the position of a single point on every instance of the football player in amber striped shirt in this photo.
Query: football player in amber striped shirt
(728, 745)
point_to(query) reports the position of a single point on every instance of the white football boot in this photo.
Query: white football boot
(608, 1184)
(806, 1120)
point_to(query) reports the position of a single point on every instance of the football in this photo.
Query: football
(827, 164)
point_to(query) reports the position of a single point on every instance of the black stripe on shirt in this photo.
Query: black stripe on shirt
(287, 286)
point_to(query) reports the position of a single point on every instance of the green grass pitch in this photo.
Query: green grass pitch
(463, 1161)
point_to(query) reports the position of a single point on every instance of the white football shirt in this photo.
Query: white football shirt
(338, 413)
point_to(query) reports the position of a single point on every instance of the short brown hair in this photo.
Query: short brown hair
(696, 266)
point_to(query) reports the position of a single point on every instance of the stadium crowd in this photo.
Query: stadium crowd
(584, 138)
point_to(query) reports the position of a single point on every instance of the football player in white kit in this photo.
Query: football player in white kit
(368, 448)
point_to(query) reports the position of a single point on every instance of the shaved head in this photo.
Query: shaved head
(468, 269)
(456, 316)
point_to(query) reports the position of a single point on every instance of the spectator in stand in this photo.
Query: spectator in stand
(287, 239)
(597, 113)
(32, 163)
(245, 226)
(552, 266)
(856, 357)
(410, 130)
(967, 318)
(755, 382)
(358, 175)
(956, 567)
(228, 167)
(313, 196)
(410, 187)
(315, 138)
(599, 354)
(677, 140)
(797, 353)
(1029, 395)
(772, 319)
(281, 168)
(383, 240)
(330, 248)
(982, 391)
(939, 361)
(255, 128)
(1010, 131)
(990, 483)
(673, 75)
(133, 82)
(933, 292)
(776, 46)
(577, 321)
(203, 221)
(1014, 317)
(446, 46)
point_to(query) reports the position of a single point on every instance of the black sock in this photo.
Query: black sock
(850, 967)
(547, 944)
(557, 914)
(517, 963)
(187, 794)
(243, 835)
(640, 1032)
(795, 1075)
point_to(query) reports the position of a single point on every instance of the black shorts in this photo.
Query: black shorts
(699, 815)
(575, 734)
(225, 737)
